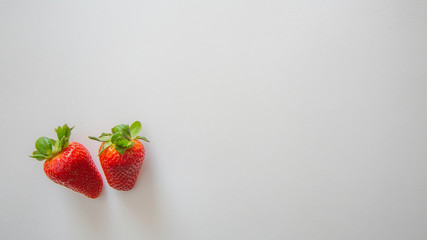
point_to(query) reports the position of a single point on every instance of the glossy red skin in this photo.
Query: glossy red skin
(75, 169)
(122, 171)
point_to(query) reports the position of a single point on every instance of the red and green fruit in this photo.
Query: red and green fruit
(69, 164)
(121, 155)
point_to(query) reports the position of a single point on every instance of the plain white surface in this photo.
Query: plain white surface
(267, 119)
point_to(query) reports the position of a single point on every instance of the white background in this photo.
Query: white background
(268, 119)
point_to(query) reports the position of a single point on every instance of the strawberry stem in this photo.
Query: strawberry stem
(121, 137)
(48, 148)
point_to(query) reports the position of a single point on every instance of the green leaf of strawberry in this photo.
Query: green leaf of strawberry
(115, 136)
(118, 128)
(135, 128)
(48, 148)
(105, 146)
(142, 138)
(121, 150)
(38, 156)
(121, 142)
(101, 138)
(44, 146)
(121, 137)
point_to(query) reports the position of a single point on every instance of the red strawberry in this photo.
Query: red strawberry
(69, 164)
(121, 155)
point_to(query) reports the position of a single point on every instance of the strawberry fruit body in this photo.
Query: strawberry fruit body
(121, 155)
(69, 164)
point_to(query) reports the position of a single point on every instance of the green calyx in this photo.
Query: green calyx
(121, 137)
(48, 148)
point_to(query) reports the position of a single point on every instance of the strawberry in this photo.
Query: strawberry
(69, 164)
(121, 155)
